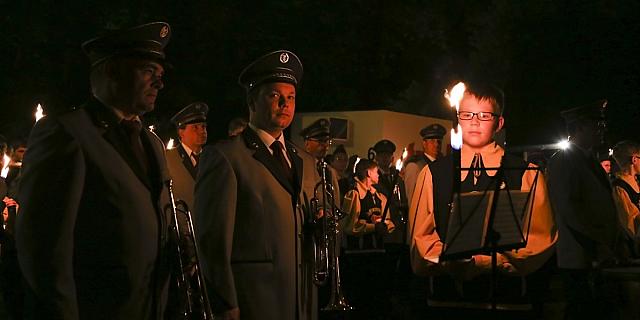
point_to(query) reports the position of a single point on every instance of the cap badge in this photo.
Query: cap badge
(164, 31)
(284, 57)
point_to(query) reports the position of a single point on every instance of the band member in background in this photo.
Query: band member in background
(248, 208)
(236, 126)
(432, 150)
(585, 210)
(91, 234)
(627, 191)
(480, 117)
(18, 148)
(317, 139)
(10, 276)
(382, 152)
(182, 162)
(340, 161)
(191, 124)
(392, 186)
(368, 270)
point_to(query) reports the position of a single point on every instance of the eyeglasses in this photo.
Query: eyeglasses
(482, 116)
(322, 141)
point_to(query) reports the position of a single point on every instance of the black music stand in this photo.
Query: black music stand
(489, 221)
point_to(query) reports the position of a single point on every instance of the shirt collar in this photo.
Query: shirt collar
(430, 157)
(266, 138)
(491, 158)
(186, 148)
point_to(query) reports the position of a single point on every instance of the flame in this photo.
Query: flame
(456, 138)
(170, 144)
(399, 164)
(457, 92)
(400, 161)
(5, 166)
(456, 95)
(39, 113)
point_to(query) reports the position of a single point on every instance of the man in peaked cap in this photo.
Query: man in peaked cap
(389, 178)
(92, 234)
(191, 125)
(248, 204)
(432, 146)
(582, 200)
(382, 152)
(317, 138)
(182, 162)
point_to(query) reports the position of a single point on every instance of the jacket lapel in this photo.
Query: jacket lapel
(186, 161)
(115, 135)
(266, 158)
(598, 171)
(157, 160)
(296, 163)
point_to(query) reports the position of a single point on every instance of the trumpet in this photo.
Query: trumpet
(325, 242)
(192, 294)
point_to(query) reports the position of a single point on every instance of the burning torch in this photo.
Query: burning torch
(455, 96)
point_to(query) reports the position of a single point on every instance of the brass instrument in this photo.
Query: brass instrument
(191, 294)
(325, 242)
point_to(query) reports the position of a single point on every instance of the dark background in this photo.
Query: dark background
(358, 55)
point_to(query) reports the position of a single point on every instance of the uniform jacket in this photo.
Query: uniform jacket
(412, 169)
(183, 174)
(426, 246)
(91, 234)
(584, 208)
(249, 226)
(355, 226)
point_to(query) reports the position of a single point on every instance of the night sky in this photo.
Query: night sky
(358, 55)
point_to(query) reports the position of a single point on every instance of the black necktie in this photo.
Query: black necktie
(133, 129)
(476, 165)
(278, 153)
(196, 157)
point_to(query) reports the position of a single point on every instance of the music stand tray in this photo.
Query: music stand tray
(489, 221)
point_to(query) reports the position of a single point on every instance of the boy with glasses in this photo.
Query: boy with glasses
(480, 116)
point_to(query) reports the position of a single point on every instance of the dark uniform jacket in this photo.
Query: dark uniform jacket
(584, 209)
(91, 233)
(249, 227)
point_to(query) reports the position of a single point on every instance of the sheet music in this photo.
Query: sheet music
(468, 224)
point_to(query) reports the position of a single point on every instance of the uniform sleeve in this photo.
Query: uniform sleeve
(542, 231)
(426, 245)
(353, 225)
(214, 220)
(410, 177)
(383, 203)
(50, 192)
(565, 193)
(628, 213)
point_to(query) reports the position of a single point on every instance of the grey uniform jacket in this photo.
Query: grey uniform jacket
(583, 206)
(249, 226)
(91, 234)
(183, 174)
